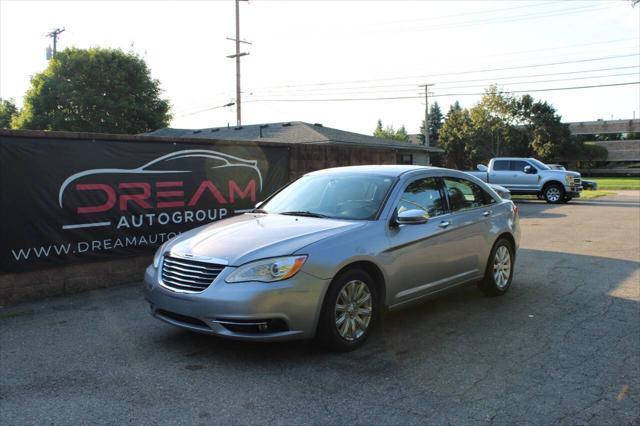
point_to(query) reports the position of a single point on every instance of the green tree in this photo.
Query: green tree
(455, 135)
(7, 111)
(436, 120)
(94, 90)
(491, 121)
(546, 136)
(390, 133)
(504, 125)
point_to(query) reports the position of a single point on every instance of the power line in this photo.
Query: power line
(358, 90)
(300, 88)
(502, 9)
(546, 49)
(459, 87)
(488, 80)
(443, 95)
(206, 109)
(423, 76)
(482, 22)
(516, 18)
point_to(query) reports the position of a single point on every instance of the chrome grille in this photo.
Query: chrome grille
(188, 275)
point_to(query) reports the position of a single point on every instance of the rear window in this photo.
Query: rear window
(501, 165)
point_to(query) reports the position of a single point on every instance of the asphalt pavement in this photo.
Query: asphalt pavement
(562, 347)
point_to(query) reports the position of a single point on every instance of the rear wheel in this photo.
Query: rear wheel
(349, 311)
(554, 193)
(499, 272)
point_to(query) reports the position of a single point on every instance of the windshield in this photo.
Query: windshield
(539, 164)
(356, 197)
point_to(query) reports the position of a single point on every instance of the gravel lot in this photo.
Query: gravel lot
(563, 346)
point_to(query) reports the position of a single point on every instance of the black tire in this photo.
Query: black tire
(553, 193)
(328, 333)
(489, 285)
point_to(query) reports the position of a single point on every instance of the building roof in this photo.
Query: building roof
(295, 132)
(605, 127)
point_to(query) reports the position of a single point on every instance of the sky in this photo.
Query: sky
(309, 60)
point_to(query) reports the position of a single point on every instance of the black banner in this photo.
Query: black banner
(67, 200)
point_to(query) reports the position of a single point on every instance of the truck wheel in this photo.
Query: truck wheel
(499, 272)
(349, 311)
(554, 193)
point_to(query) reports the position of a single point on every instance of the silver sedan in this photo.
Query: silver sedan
(325, 255)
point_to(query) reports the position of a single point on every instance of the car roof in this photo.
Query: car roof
(383, 170)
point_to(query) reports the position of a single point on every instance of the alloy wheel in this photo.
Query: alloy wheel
(502, 267)
(353, 310)
(553, 194)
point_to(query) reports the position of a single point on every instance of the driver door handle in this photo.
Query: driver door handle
(444, 224)
(486, 213)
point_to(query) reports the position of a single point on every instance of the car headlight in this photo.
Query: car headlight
(569, 179)
(268, 270)
(158, 255)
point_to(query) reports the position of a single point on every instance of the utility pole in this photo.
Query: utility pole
(426, 120)
(54, 36)
(237, 56)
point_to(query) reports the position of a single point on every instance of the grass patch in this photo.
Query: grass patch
(588, 195)
(13, 314)
(616, 183)
(584, 195)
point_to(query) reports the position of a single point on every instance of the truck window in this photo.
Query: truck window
(499, 165)
(464, 194)
(518, 165)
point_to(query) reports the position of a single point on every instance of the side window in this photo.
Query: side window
(518, 166)
(422, 194)
(464, 194)
(500, 165)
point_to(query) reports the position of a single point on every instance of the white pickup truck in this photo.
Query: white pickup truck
(531, 176)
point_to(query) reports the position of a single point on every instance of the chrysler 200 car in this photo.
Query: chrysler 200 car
(325, 255)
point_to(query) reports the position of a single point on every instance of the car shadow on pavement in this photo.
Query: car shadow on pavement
(551, 292)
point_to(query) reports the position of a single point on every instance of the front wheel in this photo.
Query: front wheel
(499, 272)
(554, 193)
(349, 311)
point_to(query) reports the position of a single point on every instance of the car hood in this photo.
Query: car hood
(562, 173)
(249, 237)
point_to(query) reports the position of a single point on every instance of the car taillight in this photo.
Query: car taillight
(515, 210)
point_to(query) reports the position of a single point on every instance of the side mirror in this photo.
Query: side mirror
(412, 217)
(482, 167)
(529, 170)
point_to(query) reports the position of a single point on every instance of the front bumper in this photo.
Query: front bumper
(573, 191)
(256, 311)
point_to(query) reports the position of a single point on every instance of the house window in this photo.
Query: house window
(405, 158)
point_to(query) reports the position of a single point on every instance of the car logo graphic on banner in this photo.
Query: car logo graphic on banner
(171, 167)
